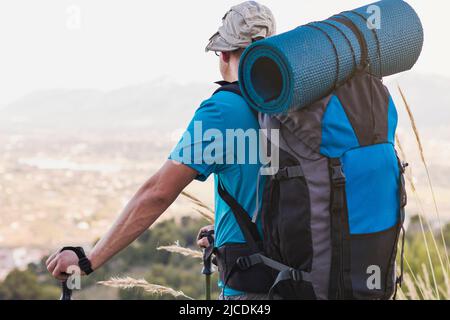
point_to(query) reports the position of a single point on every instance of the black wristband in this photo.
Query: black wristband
(83, 262)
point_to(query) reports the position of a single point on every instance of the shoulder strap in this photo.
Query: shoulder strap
(234, 88)
(248, 228)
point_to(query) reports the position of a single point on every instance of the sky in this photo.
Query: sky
(108, 44)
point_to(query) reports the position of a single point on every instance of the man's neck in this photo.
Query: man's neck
(231, 77)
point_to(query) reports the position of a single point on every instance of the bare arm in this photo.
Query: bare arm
(146, 206)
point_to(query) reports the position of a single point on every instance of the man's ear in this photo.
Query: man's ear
(226, 56)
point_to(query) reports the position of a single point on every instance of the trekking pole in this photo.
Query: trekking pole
(207, 259)
(66, 293)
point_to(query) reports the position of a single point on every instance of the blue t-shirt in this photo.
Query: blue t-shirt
(215, 120)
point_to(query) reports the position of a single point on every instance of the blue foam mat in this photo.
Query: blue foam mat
(294, 69)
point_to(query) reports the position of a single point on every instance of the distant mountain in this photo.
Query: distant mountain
(161, 106)
(168, 105)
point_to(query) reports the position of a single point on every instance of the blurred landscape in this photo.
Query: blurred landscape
(71, 159)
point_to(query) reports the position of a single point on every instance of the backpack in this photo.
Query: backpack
(333, 213)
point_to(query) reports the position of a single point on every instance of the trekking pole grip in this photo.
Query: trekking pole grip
(207, 252)
(207, 261)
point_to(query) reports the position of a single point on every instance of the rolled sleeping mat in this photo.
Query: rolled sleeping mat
(292, 70)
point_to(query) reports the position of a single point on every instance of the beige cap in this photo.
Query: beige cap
(242, 25)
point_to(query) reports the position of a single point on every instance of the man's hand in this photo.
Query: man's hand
(203, 242)
(58, 263)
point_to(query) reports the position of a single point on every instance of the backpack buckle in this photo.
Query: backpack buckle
(289, 173)
(337, 176)
(282, 174)
(244, 263)
(296, 275)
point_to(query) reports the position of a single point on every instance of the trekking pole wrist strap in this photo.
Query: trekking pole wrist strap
(83, 262)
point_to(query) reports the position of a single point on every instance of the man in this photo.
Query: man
(225, 110)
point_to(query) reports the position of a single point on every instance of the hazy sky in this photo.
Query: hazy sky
(106, 44)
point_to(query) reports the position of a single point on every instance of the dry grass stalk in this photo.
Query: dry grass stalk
(420, 282)
(197, 201)
(438, 251)
(153, 289)
(176, 248)
(423, 282)
(426, 277)
(428, 293)
(208, 216)
(413, 276)
(411, 289)
(421, 216)
(422, 156)
(401, 295)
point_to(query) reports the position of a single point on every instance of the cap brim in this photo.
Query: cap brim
(218, 44)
